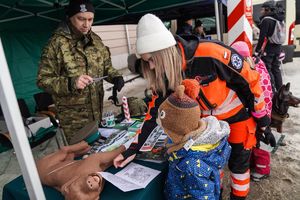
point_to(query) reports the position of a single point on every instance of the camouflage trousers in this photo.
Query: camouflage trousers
(73, 119)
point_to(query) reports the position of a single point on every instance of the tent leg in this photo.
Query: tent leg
(17, 131)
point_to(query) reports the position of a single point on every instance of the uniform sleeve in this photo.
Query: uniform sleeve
(246, 82)
(49, 78)
(109, 70)
(263, 34)
(148, 126)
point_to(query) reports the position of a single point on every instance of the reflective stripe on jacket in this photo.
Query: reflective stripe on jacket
(229, 88)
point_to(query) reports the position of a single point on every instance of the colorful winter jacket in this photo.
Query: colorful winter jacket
(194, 174)
(229, 89)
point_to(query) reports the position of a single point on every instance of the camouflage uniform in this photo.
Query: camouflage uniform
(64, 59)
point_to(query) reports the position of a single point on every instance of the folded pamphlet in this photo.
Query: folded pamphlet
(134, 176)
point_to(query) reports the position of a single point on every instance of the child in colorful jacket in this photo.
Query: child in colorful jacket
(260, 158)
(198, 148)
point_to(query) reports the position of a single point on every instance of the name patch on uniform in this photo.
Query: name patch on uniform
(82, 8)
(236, 61)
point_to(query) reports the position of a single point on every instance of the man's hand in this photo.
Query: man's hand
(120, 162)
(83, 81)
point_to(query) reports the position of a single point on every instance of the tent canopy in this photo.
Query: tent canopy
(26, 26)
(17, 14)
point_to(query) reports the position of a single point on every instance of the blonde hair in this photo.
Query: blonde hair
(167, 72)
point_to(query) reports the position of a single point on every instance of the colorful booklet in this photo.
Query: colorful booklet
(153, 138)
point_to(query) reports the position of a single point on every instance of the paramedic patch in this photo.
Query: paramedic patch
(236, 61)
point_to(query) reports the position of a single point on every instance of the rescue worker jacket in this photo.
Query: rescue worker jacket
(229, 87)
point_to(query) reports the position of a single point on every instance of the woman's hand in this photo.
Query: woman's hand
(120, 162)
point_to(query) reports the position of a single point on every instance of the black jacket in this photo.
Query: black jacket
(267, 27)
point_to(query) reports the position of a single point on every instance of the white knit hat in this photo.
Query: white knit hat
(152, 35)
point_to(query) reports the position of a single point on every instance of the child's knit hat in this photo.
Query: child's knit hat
(242, 48)
(179, 115)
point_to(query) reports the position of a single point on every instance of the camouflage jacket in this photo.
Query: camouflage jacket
(63, 60)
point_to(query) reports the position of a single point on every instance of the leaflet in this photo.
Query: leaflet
(132, 177)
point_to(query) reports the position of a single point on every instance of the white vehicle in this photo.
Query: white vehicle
(290, 18)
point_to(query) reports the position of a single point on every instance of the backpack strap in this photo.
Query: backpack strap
(269, 17)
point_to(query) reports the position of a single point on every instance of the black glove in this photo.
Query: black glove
(114, 97)
(118, 83)
(266, 136)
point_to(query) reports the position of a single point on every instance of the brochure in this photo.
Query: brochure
(132, 177)
(153, 138)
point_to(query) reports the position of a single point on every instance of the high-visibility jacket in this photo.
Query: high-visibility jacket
(229, 88)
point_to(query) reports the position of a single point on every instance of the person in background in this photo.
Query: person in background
(214, 67)
(260, 158)
(185, 26)
(74, 56)
(199, 29)
(271, 51)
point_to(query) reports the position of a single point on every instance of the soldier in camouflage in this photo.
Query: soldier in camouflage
(74, 56)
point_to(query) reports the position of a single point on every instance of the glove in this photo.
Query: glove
(266, 136)
(114, 97)
(118, 83)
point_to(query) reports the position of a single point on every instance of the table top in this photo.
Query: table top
(16, 189)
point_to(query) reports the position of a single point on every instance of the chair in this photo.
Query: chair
(43, 135)
(43, 100)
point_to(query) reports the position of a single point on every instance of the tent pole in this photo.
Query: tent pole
(17, 132)
(128, 39)
(221, 21)
(217, 20)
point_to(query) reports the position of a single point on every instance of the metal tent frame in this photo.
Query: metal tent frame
(7, 94)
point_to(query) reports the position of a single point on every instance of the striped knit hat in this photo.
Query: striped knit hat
(179, 115)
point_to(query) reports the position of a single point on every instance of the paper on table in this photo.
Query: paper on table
(120, 183)
(152, 139)
(106, 132)
(132, 177)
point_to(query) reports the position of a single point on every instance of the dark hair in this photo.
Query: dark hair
(269, 5)
(198, 23)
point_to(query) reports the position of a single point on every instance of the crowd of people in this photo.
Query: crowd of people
(75, 55)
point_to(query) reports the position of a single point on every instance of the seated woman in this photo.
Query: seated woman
(76, 179)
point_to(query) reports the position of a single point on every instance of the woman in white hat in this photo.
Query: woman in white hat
(162, 69)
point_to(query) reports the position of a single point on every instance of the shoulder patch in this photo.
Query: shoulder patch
(236, 61)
